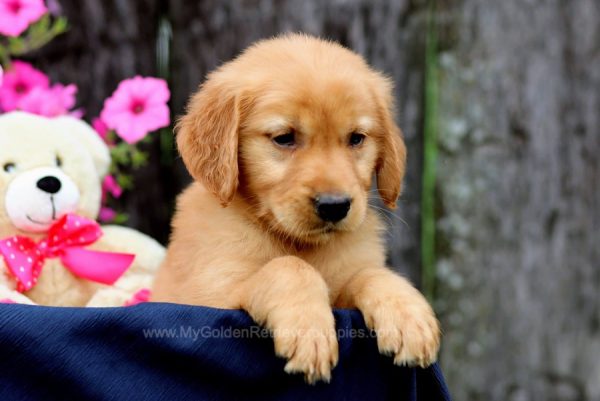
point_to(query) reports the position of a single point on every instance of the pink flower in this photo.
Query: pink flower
(16, 15)
(49, 102)
(106, 215)
(138, 106)
(111, 186)
(18, 81)
(100, 127)
(28, 89)
(54, 7)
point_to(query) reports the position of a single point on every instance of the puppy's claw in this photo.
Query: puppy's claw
(311, 376)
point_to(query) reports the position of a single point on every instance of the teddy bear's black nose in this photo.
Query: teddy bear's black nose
(49, 184)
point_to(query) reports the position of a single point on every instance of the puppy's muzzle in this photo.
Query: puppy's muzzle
(332, 207)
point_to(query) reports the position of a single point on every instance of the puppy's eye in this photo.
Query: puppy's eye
(356, 139)
(58, 161)
(9, 167)
(287, 140)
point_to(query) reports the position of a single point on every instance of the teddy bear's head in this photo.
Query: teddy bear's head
(48, 167)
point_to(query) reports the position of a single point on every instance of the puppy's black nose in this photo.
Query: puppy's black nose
(332, 208)
(49, 184)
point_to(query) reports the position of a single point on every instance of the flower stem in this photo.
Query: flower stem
(428, 257)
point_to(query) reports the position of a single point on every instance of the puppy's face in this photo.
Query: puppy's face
(296, 127)
(307, 153)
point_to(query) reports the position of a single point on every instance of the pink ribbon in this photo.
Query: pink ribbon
(65, 240)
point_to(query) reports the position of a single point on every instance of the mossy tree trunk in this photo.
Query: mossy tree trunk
(519, 196)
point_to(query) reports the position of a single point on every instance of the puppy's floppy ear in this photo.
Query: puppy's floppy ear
(207, 137)
(391, 164)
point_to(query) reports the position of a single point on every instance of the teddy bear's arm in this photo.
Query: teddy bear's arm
(122, 291)
(8, 288)
(148, 257)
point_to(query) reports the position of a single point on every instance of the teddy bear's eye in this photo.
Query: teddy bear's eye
(59, 161)
(9, 167)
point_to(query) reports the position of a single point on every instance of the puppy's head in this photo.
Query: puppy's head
(296, 127)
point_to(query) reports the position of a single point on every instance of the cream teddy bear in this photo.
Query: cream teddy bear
(52, 168)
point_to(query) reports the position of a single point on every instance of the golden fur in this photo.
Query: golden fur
(246, 234)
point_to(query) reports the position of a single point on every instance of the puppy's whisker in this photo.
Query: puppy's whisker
(388, 215)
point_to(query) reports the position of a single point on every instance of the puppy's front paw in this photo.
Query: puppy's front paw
(307, 340)
(408, 331)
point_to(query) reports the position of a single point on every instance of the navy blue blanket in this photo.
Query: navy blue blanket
(176, 352)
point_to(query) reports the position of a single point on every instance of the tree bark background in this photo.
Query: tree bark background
(519, 197)
(518, 176)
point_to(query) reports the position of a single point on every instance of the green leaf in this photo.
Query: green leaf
(4, 57)
(38, 35)
(167, 147)
(121, 218)
(147, 139)
(16, 45)
(43, 24)
(114, 168)
(138, 158)
(125, 181)
(111, 136)
(120, 153)
(61, 25)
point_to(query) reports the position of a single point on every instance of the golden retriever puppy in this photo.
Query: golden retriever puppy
(283, 143)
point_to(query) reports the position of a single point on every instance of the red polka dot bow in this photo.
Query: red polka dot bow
(66, 240)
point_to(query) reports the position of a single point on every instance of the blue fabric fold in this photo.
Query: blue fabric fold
(158, 351)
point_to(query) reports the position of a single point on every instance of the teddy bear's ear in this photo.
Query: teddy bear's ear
(92, 141)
